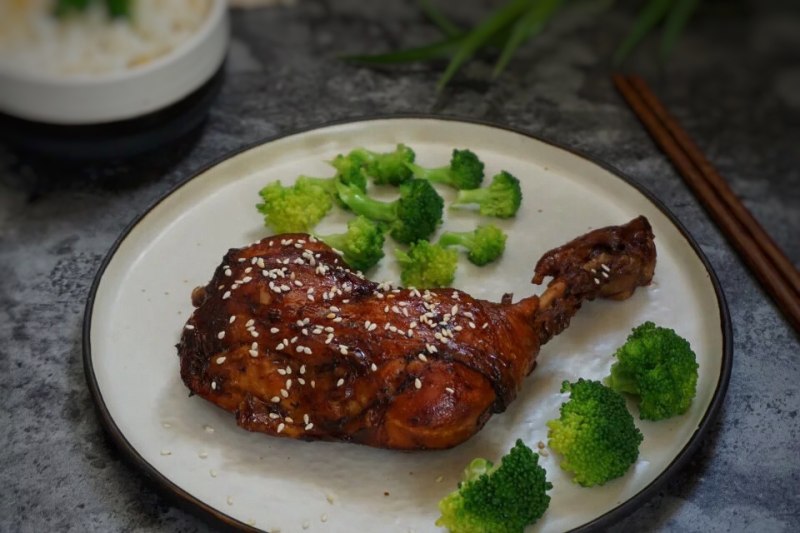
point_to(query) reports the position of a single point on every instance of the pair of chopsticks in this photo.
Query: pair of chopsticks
(768, 263)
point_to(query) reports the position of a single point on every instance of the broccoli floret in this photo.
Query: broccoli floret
(412, 217)
(465, 171)
(348, 171)
(293, 209)
(498, 499)
(501, 198)
(361, 245)
(387, 168)
(427, 265)
(595, 434)
(484, 244)
(659, 368)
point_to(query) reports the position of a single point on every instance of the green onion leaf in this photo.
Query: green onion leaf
(448, 28)
(531, 24)
(653, 12)
(477, 37)
(673, 26)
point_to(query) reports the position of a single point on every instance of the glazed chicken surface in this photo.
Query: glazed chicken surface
(295, 344)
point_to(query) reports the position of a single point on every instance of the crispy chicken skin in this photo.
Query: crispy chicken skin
(295, 344)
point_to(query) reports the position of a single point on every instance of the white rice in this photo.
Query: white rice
(34, 41)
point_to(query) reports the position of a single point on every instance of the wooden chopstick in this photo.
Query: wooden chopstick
(757, 249)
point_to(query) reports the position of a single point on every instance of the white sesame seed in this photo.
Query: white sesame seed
(309, 426)
(288, 370)
(213, 385)
(253, 353)
(418, 383)
(313, 384)
(293, 339)
(228, 273)
(280, 346)
(275, 399)
(203, 455)
(449, 389)
(232, 319)
(284, 393)
(288, 384)
(189, 326)
(373, 367)
(301, 381)
(372, 327)
(254, 333)
(471, 324)
(302, 369)
(299, 348)
(281, 426)
(329, 338)
(485, 325)
(340, 382)
(247, 279)
(343, 349)
(330, 315)
(274, 330)
(596, 281)
(605, 274)
(226, 295)
(605, 267)
(305, 418)
(221, 335)
(422, 357)
(220, 360)
(274, 416)
(337, 319)
(166, 452)
(431, 348)
(289, 420)
(307, 350)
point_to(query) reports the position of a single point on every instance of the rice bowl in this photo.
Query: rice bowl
(90, 69)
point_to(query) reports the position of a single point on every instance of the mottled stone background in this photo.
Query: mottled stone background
(734, 81)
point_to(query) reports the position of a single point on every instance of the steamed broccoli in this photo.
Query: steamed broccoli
(498, 499)
(465, 171)
(484, 244)
(388, 168)
(293, 209)
(595, 433)
(659, 368)
(412, 217)
(361, 245)
(501, 198)
(427, 265)
(349, 171)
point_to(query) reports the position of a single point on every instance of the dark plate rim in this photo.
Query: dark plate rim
(204, 511)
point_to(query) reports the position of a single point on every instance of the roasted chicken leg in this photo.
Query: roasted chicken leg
(295, 344)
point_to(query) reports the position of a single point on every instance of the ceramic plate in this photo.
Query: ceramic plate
(194, 450)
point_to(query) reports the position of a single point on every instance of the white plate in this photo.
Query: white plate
(140, 301)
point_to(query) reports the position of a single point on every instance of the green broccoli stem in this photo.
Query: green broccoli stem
(363, 205)
(436, 175)
(452, 238)
(471, 196)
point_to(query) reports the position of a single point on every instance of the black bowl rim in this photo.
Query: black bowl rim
(188, 502)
